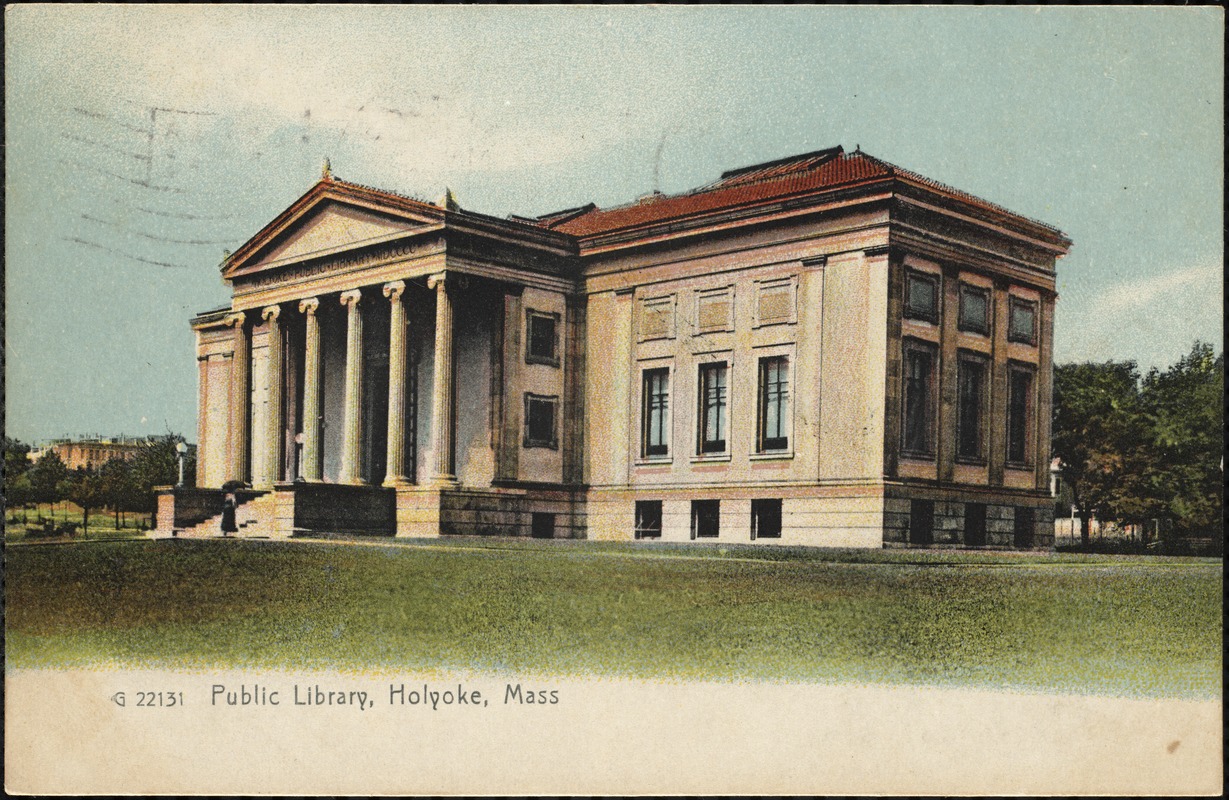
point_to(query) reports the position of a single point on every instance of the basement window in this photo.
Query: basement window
(705, 519)
(766, 519)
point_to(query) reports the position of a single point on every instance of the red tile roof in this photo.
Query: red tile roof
(809, 173)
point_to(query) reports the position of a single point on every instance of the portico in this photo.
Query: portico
(340, 355)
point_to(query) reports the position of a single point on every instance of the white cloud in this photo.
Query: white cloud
(1194, 285)
(1151, 320)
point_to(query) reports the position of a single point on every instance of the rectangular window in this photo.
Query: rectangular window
(921, 522)
(918, 391)
(542, 338)
(974, 309)
(1022, 321)
(765, 519)
(540, 421)
(774, 403)
(1019, 414)
(648, 519)
(974, 524)
(922, 296)
(712, 407)
(971, 387)
(1022, 530)
(655, 413)
(705, 519)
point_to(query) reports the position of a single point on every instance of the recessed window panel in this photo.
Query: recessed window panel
(974, 309)
(921, 296)
(1022, 322)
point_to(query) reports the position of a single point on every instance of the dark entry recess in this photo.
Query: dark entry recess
(921, 522)
(974, 524)
(1023, 534)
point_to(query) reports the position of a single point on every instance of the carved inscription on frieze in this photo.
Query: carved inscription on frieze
(331, 266)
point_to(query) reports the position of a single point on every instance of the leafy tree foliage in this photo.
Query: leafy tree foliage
(46, 476)
(85, 489)
(120, 492)
(17, 490)
(156, 464)
(1099, 432)
(1134, 449)
(1185, 407)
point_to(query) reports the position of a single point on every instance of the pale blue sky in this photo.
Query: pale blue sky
(1105, 122)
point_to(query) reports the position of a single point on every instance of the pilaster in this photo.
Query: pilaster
(273, 416)
(239, 398)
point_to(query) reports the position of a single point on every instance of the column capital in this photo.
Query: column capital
(271, 313)
(393, 290)
(438, 281)
(308, 305)
(352, 297)
(236, 319)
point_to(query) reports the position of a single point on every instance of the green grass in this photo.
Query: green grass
(1100, 624)
(25, 524)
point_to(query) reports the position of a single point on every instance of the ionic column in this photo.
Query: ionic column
(352, 424)
(310, 468)
(443, 434)
(237, 467)
(394, 473)
(273, 416)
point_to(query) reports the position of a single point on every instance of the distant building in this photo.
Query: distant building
(824, 350)
(92, 452)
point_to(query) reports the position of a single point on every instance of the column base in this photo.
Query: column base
(442, 482)
(398, 483)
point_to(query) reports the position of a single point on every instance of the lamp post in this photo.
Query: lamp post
(298, 456)
(181, 450)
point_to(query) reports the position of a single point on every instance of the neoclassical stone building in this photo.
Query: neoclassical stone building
(826, 350)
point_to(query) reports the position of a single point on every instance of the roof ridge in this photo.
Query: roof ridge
(819, 156)
(378, 190)
(905, 172)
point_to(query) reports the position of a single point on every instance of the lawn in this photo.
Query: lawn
(1089, 624)
(23, 523)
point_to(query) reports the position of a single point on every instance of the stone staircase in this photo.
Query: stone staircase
(254, 518)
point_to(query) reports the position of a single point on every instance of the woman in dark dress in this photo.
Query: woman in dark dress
(228, 516)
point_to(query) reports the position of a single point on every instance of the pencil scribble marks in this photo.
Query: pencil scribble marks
(96, 115)
(110, 142)
(153, 238)
(174, 215)
(108, 147)
(113, 251)
(145, 184)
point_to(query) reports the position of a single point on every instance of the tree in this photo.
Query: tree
(1185, 406)
(46, 476)
(17, 464)
(86, 490)
(1101, 437)
(117, 486)
(155, 464)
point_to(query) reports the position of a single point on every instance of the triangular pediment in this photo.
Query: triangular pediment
(324, 222)
(331, 226)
